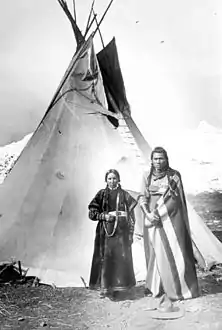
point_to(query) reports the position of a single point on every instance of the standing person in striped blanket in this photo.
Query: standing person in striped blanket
(171, 271)
(112, 265)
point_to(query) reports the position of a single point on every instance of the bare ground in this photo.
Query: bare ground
(27, 307)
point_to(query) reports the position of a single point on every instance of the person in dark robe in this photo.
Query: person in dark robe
(171, 272)
(112, 265)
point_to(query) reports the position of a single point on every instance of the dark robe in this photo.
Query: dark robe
(112, 265)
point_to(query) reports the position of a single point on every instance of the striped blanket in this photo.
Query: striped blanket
(168, 247)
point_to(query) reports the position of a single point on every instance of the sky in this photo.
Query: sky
(169, 51)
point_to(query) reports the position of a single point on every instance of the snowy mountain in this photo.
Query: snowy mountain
(9, 154)
(198, 158)
(205, 128)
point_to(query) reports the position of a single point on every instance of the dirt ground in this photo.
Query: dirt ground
(27, 307)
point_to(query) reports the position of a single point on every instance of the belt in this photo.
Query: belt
(119, 213)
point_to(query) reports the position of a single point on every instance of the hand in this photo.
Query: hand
(109, 218)
(153, 217)
(130, 239)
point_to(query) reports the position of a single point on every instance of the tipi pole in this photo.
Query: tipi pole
(103, 17)
(78, 35)
(99, 29)
(87, 30)
(74, 10)
(90, 14)
(79, 38)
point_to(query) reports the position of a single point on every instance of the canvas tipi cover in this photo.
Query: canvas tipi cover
(43, 202)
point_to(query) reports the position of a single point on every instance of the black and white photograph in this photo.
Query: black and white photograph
(110, 164)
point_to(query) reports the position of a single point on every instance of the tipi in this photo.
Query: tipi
(86, 129)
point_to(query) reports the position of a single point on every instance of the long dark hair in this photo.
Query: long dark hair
(113, 171)
(161, 150)
(107, 191)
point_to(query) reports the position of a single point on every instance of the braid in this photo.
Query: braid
(105, 201)
(149, 176)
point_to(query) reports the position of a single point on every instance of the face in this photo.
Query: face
(112, 180)
(159, 161)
